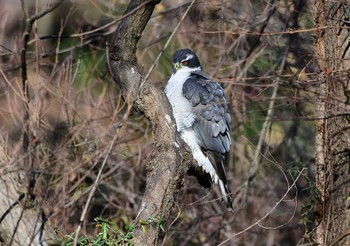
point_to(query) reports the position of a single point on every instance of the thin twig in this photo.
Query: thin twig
(21, 196)
(26, 140)
(79, 35)
(45, 11)
(16, 227)
(94, 186)
(25, 89)
(252, 33)
(166, 44)
(267, 123)
(291, 217)
(268, 213)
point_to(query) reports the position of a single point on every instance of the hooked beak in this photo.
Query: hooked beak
(176, 67)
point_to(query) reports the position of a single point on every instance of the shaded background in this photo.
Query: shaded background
(253, 48)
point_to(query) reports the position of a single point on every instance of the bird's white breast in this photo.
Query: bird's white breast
(181, 106)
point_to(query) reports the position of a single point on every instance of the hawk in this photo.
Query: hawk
(202, 119)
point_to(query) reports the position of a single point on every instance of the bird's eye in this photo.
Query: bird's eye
(185, 63)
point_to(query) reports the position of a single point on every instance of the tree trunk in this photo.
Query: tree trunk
(333, 132)
(166, 165)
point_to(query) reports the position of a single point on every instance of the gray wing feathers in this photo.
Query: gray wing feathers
(213, 121)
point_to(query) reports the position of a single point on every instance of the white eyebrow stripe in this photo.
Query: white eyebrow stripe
(188, 57)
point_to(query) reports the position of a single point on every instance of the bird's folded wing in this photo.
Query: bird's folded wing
(212, 120)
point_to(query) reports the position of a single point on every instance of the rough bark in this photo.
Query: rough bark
(333, 132)
(165, 166)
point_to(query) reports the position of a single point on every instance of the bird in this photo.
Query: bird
(202, 119)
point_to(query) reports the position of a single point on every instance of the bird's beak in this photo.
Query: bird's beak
(176, 66)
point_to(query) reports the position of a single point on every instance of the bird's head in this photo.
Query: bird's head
(185, 60)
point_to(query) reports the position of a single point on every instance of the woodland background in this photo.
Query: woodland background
(262, 53)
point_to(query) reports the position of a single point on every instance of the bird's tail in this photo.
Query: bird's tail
(226, 194)
(217, 161)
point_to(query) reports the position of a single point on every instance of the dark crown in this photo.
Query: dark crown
(182, 55)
